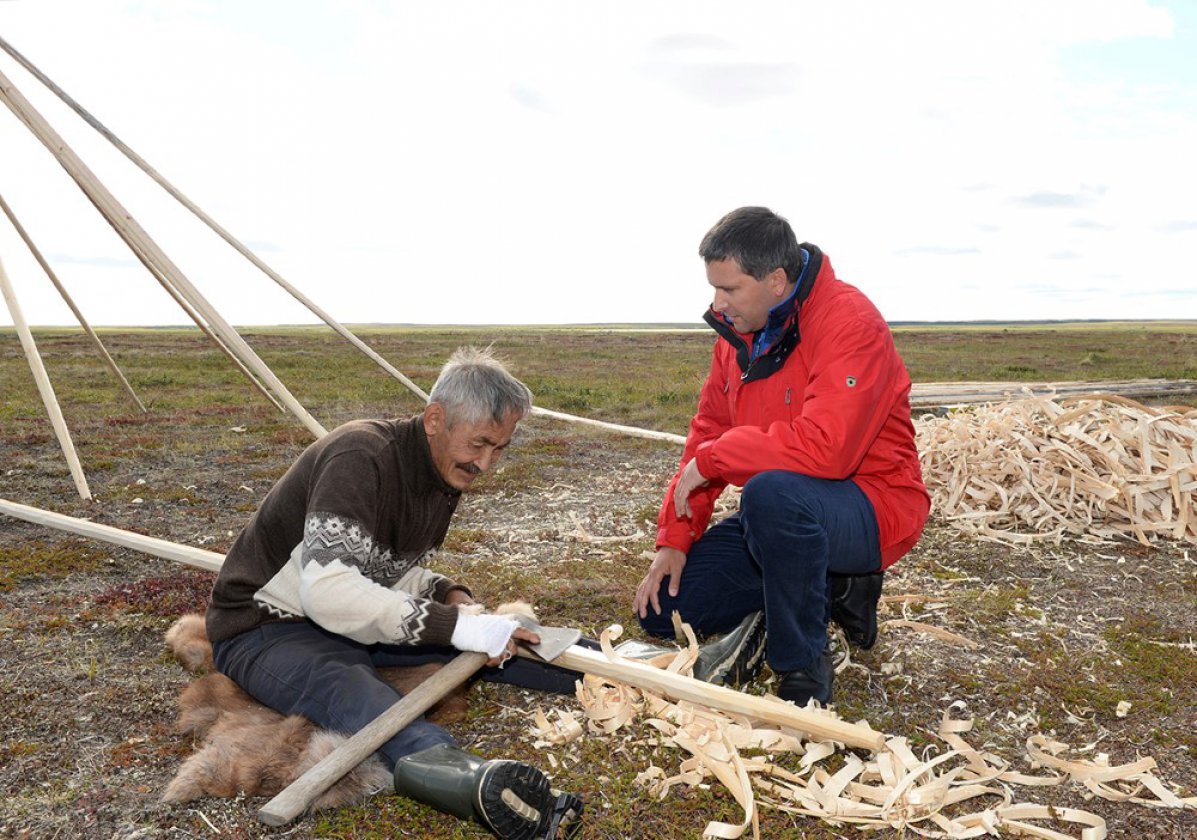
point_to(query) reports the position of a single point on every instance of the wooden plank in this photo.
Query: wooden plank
(820, 726)
(934, 394)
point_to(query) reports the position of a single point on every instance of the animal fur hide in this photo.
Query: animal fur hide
(244, 747)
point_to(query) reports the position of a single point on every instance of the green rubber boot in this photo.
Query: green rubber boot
(510, 798)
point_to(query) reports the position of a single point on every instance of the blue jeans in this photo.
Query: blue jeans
(297, 667)
(775, 554)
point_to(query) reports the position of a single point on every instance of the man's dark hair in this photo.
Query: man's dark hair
(758, 239)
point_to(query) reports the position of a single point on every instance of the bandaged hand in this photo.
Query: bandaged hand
(487, 634)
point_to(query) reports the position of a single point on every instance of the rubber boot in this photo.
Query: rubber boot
(734, 659)
(510, 798)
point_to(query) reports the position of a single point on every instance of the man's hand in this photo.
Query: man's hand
(669, 562)
(458, 597)
(689, 481)
(521, 634)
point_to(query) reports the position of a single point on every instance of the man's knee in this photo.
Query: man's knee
(776, 493)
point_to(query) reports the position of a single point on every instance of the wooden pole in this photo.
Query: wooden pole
(37, 255)
(197, 557)
(43, 386)
(297, 796)
(766, 709)
(224, 234)
(144, 246)
(206, 330)
(577, 658)
(220, 231)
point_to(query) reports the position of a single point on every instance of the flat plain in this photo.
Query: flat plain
(1063, 634)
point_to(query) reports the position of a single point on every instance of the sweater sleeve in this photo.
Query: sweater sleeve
(347, 582)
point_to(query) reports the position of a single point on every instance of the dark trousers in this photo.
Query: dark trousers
(775, 554)
(300, 668)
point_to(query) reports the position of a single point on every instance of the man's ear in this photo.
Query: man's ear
(434, 419)
(777, 281)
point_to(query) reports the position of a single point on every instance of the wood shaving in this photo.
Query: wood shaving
(892, 787)
(1093, 467)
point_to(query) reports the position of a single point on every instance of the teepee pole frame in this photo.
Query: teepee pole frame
(145, 248)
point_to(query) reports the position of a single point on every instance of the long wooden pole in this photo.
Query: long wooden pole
(37, 255)
(197, 557)
(49, 400)
(144, 246)
(228, 237)
(206, 330)
(766, 709)
(294, 799)
(216, 227)
(577, 658)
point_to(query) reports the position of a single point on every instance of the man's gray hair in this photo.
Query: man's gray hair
(473, 386)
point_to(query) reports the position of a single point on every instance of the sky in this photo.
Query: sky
(558, 162)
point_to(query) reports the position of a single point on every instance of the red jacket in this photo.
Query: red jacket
(837, 407)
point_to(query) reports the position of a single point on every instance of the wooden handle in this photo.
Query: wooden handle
(297, 796)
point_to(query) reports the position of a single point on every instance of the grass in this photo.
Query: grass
(199, 405)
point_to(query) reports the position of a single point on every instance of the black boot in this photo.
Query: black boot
(511, 798)
(732, 660)
(854, 606)
(815, 682)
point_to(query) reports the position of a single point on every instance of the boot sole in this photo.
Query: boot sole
(516, 803)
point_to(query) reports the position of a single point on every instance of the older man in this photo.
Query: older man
(807, 408)
(326, 584)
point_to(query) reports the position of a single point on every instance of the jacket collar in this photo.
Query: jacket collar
(763, 353)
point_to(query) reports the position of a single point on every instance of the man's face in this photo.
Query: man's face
(743, 299)
(466, 450)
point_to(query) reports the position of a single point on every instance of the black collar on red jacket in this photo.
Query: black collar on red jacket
(770, 361)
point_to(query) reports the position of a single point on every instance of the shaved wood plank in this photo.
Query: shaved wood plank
(765, 709)
(95, 339)
(197, 557)
(144, 246)
(49, 400)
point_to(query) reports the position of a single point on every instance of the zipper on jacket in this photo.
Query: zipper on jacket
(787, 396)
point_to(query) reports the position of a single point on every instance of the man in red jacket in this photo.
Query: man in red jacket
(807, 408)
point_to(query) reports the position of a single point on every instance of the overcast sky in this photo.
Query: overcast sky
(559, 161)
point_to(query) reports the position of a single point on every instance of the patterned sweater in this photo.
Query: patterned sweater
(340, 540)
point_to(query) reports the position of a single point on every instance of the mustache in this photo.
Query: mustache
(472, 469)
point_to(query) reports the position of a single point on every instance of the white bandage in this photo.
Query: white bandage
(487, 634)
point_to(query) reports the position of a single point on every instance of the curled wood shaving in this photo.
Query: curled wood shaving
(1091, 467)
(930, 630)
(892, 788)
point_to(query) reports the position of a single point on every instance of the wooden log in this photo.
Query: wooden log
(764, 709)
(95, 339)
(297, 796)
(144, 246)
(49, 400)
(197, 557)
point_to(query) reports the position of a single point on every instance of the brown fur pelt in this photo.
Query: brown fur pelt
(249, 748)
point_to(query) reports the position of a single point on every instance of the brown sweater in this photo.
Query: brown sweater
(340, 540)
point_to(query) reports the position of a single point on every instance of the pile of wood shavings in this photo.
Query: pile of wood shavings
(1093, 468)
(893, 788)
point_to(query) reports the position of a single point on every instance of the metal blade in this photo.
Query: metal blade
(554, 641)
